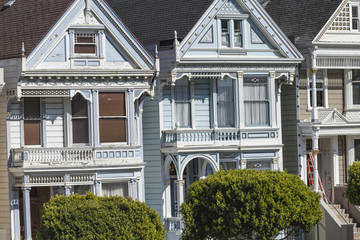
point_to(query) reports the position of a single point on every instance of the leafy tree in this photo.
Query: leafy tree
(248, 204)
(353, 185)
(91, 217)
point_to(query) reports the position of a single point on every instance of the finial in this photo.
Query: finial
(175, 34)
(22, 49)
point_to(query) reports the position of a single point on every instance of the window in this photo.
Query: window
(356, 86)
(261, 164)
(85, 43)
(80, 125)
(319, 89)
(115, 189)
(182, 103)
(357, 149)
(225, 103)
(256, 101)
(355, 17)
(112, 117)
(225, 33)
(231, 33)
(32, 121)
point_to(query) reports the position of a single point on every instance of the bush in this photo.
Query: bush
(92, 217)
(353, 185)
(248, 204)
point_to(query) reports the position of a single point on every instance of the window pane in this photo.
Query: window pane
(115, 189)
(32, 132)
(112, 130)
(227, 165)
(354, 11)
(112, 104)
(85, 48)
(225, 33)
(357, 149)
(355, 24)
(182, 103)
(32, 108)
(356, 93)
(81, 189)
(80, 130)
(79, 106)
(183, 114)
(85, 40)
(225, 103)
(237, 33)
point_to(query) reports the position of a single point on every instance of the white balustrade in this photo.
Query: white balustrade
(174, 224)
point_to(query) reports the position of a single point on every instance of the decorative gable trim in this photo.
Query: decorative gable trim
(259, 17)
(334, 21)
(103, 12)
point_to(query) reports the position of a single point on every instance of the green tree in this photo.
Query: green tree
(248, 204)
(353, 185)
(91, 217)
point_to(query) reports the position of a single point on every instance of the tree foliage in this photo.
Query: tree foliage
(248, 204)
(353, 185)
(93, 217)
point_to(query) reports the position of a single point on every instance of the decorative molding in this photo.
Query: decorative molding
(208, 36)
(313, 71)
(45, 92)
(232, 67)
(255, 38)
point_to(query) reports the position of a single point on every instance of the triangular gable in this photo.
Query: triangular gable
(339, 22)
(269, 31)
(115, 45)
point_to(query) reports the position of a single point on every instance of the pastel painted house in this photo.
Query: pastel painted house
(218, 99)
(71, 108)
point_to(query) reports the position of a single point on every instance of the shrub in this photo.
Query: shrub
(92, 217)
(248, 204)
(353, 185)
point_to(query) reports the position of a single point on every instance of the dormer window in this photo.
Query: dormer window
(355, 17)
(231, 33)
(85, 43)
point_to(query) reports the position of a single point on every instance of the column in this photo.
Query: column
(95, 118)
(180, 193)
(133, 184)
(315, 151)
(97, 188)
(131, 119)
(314, 112)
(167, 198)
(67, 190)
(27, 216)
(243, 163)
(16, 213)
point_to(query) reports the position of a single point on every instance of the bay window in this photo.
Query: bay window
(80, 126)
(256, 101)
(112, 117)
(225, 103)
(182, 101)
(356, 86)
(32, 121)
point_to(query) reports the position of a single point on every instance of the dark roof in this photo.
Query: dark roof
(155, 20)
(301, 19)
(27, 21)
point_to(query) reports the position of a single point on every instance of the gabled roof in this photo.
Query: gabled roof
(155, 20)
(301, 20)
(27, 21)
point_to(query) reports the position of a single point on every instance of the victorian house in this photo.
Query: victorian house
(71, 109)
(327, 95)
(218, 99)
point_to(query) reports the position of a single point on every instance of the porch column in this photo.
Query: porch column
(180, 196)
(27, 215)
(133, 184)
(167, 198)
(243, 163)
(16, 213)
(315, 151)
(97, 188)
(314, 112)
(67, 190)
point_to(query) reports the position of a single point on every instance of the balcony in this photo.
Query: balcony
(37, 157)
(229, 137)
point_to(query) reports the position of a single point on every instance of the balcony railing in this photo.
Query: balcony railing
(174, 224)
(22, 157)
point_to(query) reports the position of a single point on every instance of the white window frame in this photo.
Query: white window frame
(231, 31)
(357, 5)
(324, 89)
(89, 114)
(192, 106)
(215, 89)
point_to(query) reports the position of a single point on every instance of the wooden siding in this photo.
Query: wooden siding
(14, 124)
(202, 103)
(304, 113)
(336, 89)
(151, 136)
(54, 122)
(167, 112)
(289, 128)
